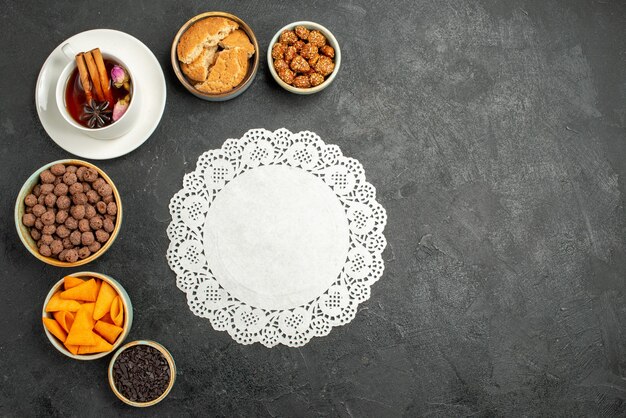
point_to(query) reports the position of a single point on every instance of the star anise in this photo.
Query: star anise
(96, 114)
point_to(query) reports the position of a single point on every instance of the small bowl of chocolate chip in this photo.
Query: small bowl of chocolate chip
(68, 213)
(142, 373)
(304, 57)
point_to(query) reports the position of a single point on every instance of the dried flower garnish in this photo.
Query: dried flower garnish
(96, 114)
(120, 107)
(119, 76)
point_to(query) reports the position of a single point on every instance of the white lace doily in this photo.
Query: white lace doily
(276, 237)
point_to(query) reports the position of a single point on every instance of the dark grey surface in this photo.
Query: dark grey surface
(494, 132)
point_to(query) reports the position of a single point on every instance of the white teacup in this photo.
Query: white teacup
(114, 130)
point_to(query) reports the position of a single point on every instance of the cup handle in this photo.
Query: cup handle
(43, 98)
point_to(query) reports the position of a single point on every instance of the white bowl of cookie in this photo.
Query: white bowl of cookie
(215, 56)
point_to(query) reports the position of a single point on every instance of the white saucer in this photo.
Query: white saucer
(137, 56)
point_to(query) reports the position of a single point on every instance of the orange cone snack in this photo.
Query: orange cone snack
(65, 319)
(69, 282)
(81, 332)
(57, 304)
(54, 328)
(103, 302)
(108, 331)
(87, 291)
(117, 311)
(99, 346)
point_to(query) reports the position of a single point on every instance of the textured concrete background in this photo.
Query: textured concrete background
(494, 132)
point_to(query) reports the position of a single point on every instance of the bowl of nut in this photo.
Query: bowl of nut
(68, 213)
(215, 56)
(304, 57)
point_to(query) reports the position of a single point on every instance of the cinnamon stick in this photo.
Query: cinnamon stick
(84, 76)
(103, 75)
(93, 74)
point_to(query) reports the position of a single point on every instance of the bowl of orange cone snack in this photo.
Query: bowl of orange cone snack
(87, 315)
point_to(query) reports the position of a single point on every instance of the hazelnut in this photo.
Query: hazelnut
(80, 172)
(75, 237)
(79, 198)
(50, 200)
(39, 210)
(45, 250)
(30, 200)
(87, 238)
(316, 38)
(57, 169)
(63, 202)
(48, 218)
(46, 239)
(95, 247)
(90, 175)
(105, 190)
(56, 246)
(70, 223)
(76, 188)
(61, 216)
(328, 50)
(69, 178)
(278, 51)
(84, 253)
(78, 211)
(47, 177)
(102, 236)
(101, 207)
(63, 231)
(28, 219)
(60, 189)
(62, 255)
(83, 225)
(302, 32)
(288, 37)
(90, 211)
(71, 256)
(93, 197)
(286, 75)
(112, 208)
(47, 189)
(308, 51)
(49, 229)
(98, 183)
(96, 222)
(299, 65)
(316, 79)
(302, 82)
(108, 225)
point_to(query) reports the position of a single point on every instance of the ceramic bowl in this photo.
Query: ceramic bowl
(128, 315)
(170, 362)
(252, 68)
(24, 231)
(330, 38)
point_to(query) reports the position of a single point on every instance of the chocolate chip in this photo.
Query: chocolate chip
(141, 373)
